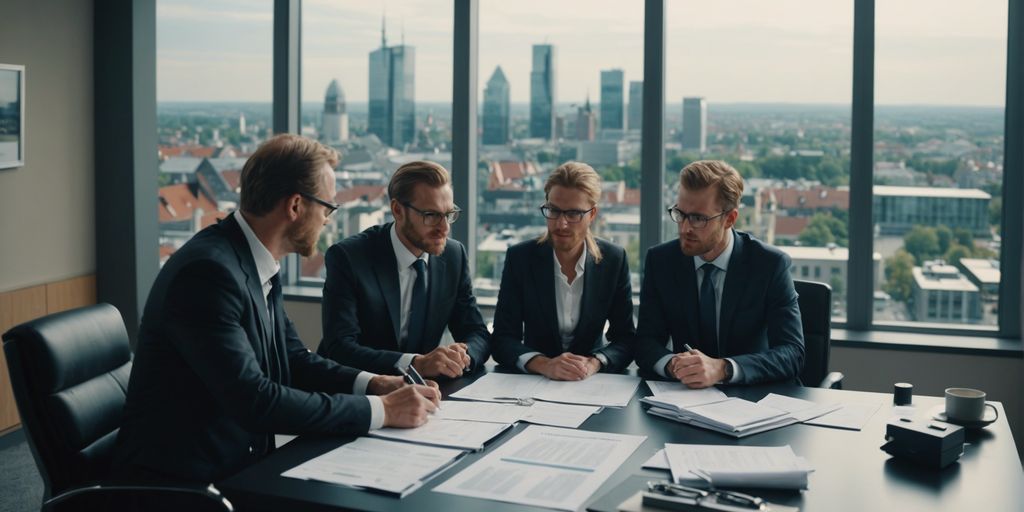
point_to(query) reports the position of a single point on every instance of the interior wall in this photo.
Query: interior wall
(47, 219)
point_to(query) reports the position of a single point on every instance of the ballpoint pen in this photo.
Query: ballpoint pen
(687, 348)
(411, 376)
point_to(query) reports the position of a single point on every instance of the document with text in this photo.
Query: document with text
(775, 467)
(603, 389)
(397, 468)
(465, 435)
(540, 413)
(545, 467)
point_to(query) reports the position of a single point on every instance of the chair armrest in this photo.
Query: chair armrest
(834, 380)
(206, 497)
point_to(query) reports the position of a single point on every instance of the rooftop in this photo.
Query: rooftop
(961, 193)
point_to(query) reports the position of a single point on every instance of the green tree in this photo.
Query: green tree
(824, 229)
(964, 237)
(899, 275)
(955, 253)
(945, 236)
(838, 287)
(922, 243)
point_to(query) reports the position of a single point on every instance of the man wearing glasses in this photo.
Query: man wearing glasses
(724, 298)
(558, 291)
(391, 290)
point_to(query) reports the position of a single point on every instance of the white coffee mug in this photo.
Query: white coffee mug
(966, 404)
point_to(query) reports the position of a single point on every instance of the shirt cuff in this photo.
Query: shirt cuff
(603, 359)
(376, 412)
(659, 367)
(525, 358)
(362, 382)
(735, 371)
(404, 361)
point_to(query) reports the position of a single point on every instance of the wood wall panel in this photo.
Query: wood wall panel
(17, 306)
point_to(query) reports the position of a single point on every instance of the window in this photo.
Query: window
(551, 92)
(938, 157)
(766, 87)
(213, 108)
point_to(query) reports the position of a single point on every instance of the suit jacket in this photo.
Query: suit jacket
(210, 385)
(759, 322)
(525, 319)
(362, 306)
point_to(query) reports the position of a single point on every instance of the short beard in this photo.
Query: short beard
(416, 240)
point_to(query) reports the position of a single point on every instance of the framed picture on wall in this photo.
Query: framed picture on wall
(12, 116)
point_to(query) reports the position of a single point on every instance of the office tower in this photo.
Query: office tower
(611, 99)
(392, 115)
(695, 124)
(636, 105)
(241, 124)
(586, 122)
(496, 109)
(334, 126)
(542, 92)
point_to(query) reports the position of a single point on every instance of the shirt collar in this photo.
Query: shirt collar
(581, 263)
(722, 261)
(404, 258)
(266, 265)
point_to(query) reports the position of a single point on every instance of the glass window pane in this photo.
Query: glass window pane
(376, 86)
(766, 86)
(940, 93)
(214, 60)
(555, 88)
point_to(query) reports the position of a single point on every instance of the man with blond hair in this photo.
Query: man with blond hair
(392, 290)
(725, 298)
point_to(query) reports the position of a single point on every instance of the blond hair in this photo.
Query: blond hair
(285, 164)
(584, 178)
(404, 180)
(702, 174)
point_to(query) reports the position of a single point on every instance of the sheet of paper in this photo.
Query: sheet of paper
(678, 393)
(603, 389)
(851, 416)
(494, 385)
(541, 413)
(657, 461)
(398, 468)
(801, 410)
(545, 467)
(734, 413)
(728, 466)
(466, 435)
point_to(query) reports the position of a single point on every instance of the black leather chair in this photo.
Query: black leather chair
(816, 316)
(69, 372)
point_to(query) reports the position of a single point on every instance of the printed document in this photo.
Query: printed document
(397, 468)
(602, 389)
(775, 467)
(541, 413)
(464, 435)
(801, 410)
(545, 467)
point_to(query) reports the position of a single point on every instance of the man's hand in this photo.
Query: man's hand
(696, 370)
(448, 361)
(384, 384)
(567, 366)
(409, 406)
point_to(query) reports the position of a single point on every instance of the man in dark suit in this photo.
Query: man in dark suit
(724, 293)
(391, 290)
(219, 368)
(557, 292)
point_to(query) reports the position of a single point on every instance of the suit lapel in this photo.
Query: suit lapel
(735, 277)
(544, 274)
(252, 283)
(386, 268)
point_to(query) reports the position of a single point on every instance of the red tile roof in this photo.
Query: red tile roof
(504, 172)
(812, 199)
(790, 227)
(189, 150)
(234, 178)
(177, 202)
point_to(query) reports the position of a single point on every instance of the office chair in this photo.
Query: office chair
(816, 316)
(69, 372)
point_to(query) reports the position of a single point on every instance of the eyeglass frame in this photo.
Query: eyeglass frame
(331, 207)
(564, 213)
(693, 218)
(734, 498)
(450, 216)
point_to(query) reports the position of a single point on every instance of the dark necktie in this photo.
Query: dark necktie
(708, 315)
(417, 308)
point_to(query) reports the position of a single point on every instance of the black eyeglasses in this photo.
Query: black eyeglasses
(331, 207)
(572, 216)
(434, 218)
(697, 220)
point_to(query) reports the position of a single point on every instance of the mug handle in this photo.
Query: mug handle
(993, 408)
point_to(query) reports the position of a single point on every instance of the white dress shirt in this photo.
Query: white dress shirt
(267, 267)
(406, 280)
(568, 297)
(718, 282)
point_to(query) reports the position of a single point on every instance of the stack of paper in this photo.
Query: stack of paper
(397, 468)
(603, 389)
(464, 435)
(774, 467)
(802, 410)
(541, 413)
(675, 395)
(545, 467)
(733, 416)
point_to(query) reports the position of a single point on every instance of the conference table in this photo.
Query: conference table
(850, 471)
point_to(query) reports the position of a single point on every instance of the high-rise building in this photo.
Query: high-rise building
(392, 115)
(334, 126)
(241, 124)
(496, 109)
(586, 122)
(611, 99)
(695, 124)
(636, 105)
(542, 92)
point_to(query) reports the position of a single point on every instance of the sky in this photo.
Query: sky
(943, 52)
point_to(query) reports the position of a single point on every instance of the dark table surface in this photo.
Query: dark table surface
(850, 471)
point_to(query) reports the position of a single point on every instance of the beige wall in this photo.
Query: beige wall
(47, 222)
